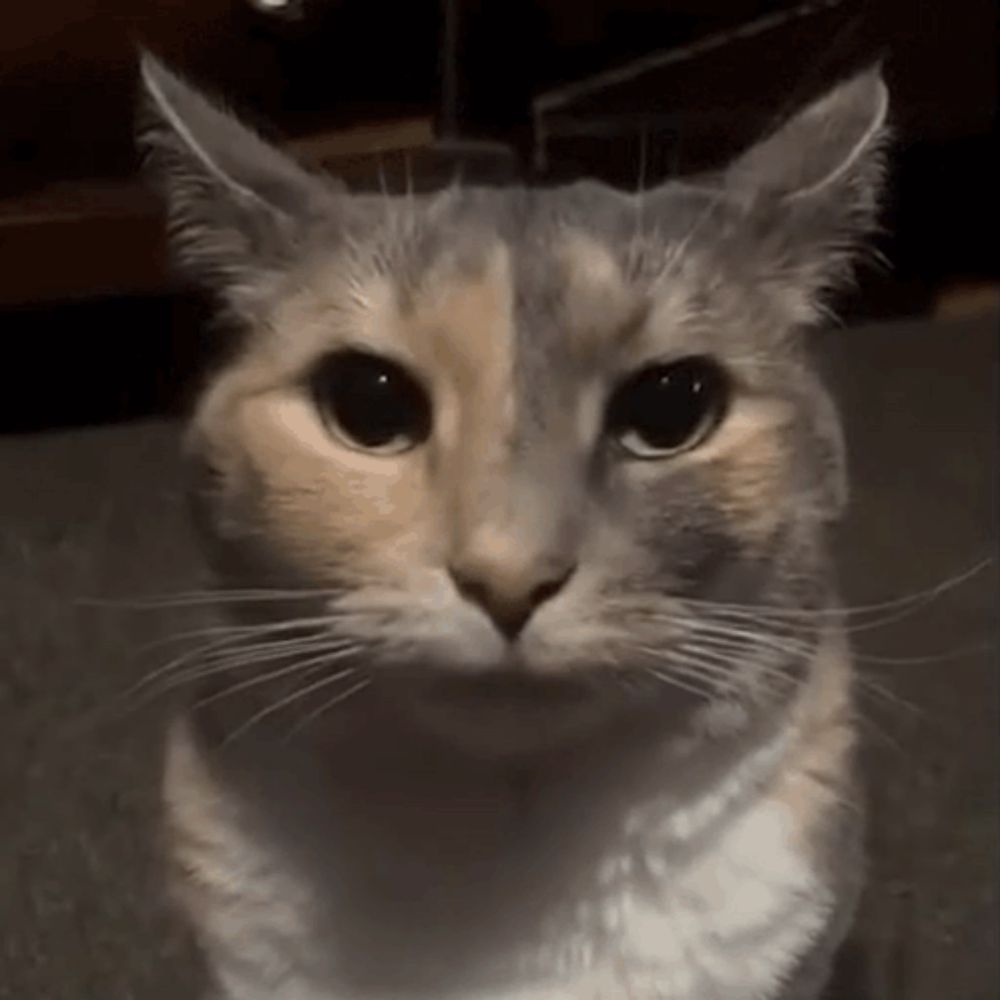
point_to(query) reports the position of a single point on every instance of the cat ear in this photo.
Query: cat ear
(812, 188)
(236, 205)
(829, 149)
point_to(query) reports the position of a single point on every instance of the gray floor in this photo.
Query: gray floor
(97, 514)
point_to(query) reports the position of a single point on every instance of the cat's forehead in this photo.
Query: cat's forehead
(580, 240)
(567, 273)
(769, 232)
(556, 278)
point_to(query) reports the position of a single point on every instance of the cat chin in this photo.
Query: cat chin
(504, 714)
(489, 731)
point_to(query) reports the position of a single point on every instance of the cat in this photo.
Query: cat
(534, 685)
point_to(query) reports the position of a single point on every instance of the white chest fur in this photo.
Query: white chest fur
(731, 922)
(709, 900)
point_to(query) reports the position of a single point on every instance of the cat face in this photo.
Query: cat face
(562, 434)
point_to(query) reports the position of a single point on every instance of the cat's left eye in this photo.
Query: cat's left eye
(371, 403)
(663, 409)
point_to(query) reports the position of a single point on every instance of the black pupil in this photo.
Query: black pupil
(374, 401)
(667, 405)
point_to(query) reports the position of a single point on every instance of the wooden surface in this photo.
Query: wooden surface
(98, 514)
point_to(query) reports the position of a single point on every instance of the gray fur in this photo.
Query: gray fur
(784, 216)
(735, 266)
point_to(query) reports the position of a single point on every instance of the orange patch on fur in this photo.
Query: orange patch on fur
(746, 465)
(818, 784)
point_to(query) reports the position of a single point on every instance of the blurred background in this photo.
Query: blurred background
(95, 330)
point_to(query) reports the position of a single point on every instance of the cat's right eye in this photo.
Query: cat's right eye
(371, 403)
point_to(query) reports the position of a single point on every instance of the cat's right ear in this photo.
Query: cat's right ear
(237, 206)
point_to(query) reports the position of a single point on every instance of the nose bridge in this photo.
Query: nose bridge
(514, 545)
(515, 517)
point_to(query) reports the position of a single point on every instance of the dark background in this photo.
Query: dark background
(92, 326)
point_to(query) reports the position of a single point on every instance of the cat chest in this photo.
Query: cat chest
(726, 919)
(729, 923)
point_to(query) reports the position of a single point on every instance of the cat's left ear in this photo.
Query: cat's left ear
(812, 189)
(237, 206)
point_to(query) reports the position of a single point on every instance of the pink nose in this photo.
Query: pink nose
(510, 597)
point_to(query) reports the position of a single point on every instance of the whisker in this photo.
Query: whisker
(761, 680)
(727, 659)
(945, 656)
(191, 654)
(277, 706)
(914, 598)
(307, 666)
(671, 680)
(209, 597)
(724, 637)
(685, 655)
(721, 675)
(228, 645)
(724, 653)
(868, 728)
(870, 686)
(895, 616)
(234, 663)
(737, 639)
(776, 680)
(327, 705)
(264, 628)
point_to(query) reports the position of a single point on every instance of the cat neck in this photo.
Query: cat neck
(412, 863)
(374, 760)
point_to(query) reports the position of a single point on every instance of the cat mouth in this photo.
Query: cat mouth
(507, 707)
(509, 687)
(510, 683)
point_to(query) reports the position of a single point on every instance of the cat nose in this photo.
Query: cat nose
(510, 591)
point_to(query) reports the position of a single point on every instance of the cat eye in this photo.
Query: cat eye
(371, 403)
(665, 408)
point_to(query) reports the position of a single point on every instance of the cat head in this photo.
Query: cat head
(571, 433)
